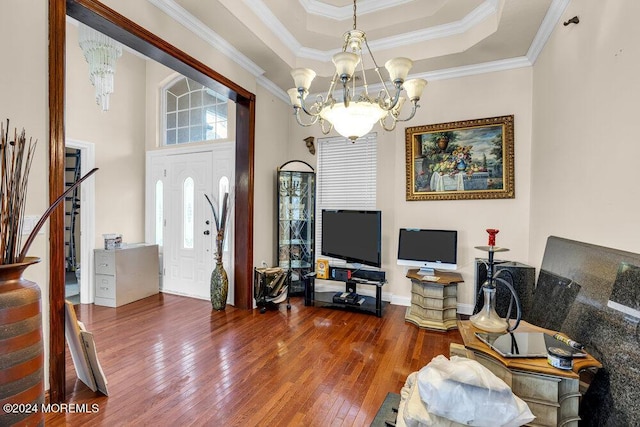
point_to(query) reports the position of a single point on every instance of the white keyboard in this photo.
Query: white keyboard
(430, 278)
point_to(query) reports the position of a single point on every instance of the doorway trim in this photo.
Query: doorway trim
(87, 218)
(117, 26)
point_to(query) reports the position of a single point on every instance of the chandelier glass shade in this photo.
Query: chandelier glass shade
(101, 53)
(354, 112)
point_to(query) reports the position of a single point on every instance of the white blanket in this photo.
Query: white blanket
(460, 392)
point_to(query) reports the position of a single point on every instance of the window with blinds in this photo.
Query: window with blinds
(346, 175)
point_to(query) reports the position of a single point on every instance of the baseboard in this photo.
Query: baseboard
(403, 301)
(465, 308)
(184, 294)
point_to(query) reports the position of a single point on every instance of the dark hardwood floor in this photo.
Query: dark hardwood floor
(171, 360)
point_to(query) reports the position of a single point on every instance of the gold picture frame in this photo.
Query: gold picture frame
(469, 159)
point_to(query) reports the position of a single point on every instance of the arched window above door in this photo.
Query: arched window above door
(193, 113)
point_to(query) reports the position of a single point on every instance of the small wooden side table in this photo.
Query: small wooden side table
(434, 304)
(552, 394)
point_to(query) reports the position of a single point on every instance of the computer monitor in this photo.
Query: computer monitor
(428, 249)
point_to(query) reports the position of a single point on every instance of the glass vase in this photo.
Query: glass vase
(487, 319)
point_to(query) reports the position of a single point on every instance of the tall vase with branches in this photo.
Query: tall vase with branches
(219, 278)
(23, 353)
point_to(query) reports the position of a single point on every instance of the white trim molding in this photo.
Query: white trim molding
(479, 14)
(87, 218)
(341, 13)
(197, 27)
(549, 23)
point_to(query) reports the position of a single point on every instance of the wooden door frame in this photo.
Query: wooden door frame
(111, 23)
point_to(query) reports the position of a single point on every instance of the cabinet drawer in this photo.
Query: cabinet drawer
(105, 262)
(105, 286)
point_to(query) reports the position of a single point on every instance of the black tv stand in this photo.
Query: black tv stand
(364, 304)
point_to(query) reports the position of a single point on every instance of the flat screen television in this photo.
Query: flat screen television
(428, 249)
(352, 235)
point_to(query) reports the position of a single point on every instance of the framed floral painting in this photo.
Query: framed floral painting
(470, 159)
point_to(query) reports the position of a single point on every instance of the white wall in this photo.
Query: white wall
(23, 100)
(585, 151)
(118, 135)
(476, 97)
(272, 137)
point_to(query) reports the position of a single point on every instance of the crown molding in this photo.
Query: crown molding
(341, 13)
(267, 17)
(187, 20)
(475, 69)
(473, 18)
(551, 19)
(273, 89)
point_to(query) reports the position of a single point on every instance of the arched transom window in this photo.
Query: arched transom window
(193, 113)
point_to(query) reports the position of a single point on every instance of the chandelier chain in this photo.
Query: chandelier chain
(354, 15)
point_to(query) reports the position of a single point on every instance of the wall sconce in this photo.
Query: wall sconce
(309, 141)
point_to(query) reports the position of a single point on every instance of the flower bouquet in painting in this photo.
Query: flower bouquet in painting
(219, 279)
(447, 164)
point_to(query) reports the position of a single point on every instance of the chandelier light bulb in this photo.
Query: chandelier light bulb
(346, 64)
(414, 88)
(398, 68)
(303, 77)
(294, 97)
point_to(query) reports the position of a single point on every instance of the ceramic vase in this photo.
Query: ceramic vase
(219, 287)
(22, 356)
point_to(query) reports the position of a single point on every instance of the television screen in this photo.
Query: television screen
(352, 235)
(428, 249)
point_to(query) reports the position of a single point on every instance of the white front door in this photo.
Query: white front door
(188, 242)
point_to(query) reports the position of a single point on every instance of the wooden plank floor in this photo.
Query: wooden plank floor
(171, 360)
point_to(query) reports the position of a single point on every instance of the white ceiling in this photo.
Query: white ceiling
(445, 38)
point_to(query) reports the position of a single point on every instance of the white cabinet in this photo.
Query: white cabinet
(126, 274)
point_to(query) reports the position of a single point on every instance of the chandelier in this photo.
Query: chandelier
(355, 112)
(101, 53)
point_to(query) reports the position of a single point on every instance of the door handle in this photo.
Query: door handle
(207, 232)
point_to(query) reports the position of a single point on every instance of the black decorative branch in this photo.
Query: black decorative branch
(48, 213)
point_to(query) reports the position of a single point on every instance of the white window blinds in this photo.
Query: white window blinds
(346, 177)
